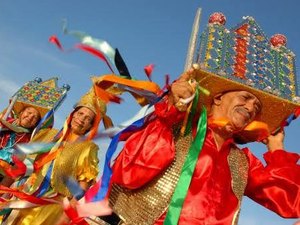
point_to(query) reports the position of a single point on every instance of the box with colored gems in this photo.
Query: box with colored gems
(245, 54)
(42, 95)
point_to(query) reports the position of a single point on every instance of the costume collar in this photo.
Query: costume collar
(13, 126)
(227, 142)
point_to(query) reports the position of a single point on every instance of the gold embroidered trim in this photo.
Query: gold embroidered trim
(145, 205)
(239, 166)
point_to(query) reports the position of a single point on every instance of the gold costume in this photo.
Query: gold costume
(71, 158)
(78, 160)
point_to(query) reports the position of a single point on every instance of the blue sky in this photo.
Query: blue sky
(145, 32)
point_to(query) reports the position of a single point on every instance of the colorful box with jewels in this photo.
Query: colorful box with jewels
(43, 95)
(245, 54)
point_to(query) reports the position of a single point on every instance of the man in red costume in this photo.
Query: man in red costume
(145, 173)
(184, 166)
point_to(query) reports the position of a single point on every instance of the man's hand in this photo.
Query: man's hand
(275, 141)
(181, 89)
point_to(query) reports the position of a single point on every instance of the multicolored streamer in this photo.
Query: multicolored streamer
(53, 39)
(17, 170)
(167, 83)
(288, 121)
(99, 190)
(99, 208)
(33, 148)
(148, 70)
(121, 66)
(74, 187)
(23, 196)
(107, 171)
(47, 119)
(96, 43)
(84, 47)
(72, 214)
(106, 96)
(112, 54)
(94, 52)
(99, 48)
(187, 171)
(109, 80)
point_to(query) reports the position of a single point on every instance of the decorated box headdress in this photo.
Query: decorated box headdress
(42, 95)
(243, 58)
(45, 97)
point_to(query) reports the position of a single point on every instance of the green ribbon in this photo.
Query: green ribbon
(193, 111)
(5, 211)
(187, 171)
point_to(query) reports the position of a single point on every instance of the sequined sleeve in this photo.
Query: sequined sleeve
(276, 185)
(87, 164)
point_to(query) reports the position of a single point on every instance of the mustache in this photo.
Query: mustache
(244, 112)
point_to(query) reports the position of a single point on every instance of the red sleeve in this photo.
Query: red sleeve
(276, 185)
(149, 151)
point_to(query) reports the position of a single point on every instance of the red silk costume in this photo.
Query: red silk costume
(210, 198)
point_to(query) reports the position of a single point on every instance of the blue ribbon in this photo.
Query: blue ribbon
(6, 155)
(7, 152)
(45, 118)
(44, 187)
(107, 172)
(74, 187)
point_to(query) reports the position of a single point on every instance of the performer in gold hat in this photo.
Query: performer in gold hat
(184, 166)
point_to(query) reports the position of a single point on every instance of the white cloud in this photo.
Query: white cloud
(8, 87)
(49, 57)
(14, 45)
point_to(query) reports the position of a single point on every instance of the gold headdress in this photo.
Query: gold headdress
(243, 58)
(98, 106)
(91, 101)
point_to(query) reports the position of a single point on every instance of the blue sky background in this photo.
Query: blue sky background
(145, 32)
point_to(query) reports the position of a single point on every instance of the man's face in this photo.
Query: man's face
(239, 107)
(29, 118)
(82, 121)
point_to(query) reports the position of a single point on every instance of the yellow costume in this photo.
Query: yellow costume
(78, 160)
(73, 157)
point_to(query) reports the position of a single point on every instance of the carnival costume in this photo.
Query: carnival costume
(9, 137)
(164, 177)
(71, 157)
(77, 160)
(45, 97)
